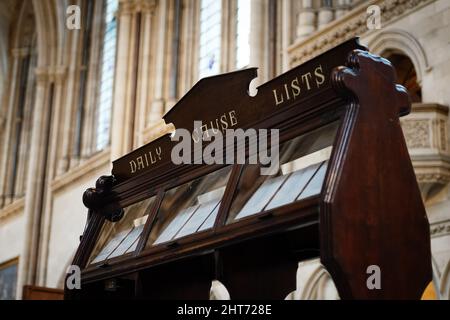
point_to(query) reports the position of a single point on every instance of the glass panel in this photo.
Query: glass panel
(118, 238)
(105, 93)
(8, 281)
(303, 163)
(210, 36)
(190, 208)
(243, 33)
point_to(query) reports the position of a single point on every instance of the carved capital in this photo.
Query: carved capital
(59, 73)
(20, 52)
(43, 74)
(128, 7)
(354, 23)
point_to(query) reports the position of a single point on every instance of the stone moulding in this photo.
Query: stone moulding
(12, 209)
(426, 135)
(351, 24)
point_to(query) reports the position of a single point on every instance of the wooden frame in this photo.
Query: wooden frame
(356, 221)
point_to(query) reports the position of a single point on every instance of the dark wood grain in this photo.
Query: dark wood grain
(372, 213)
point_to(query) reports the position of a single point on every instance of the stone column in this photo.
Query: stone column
(258, 40)
(143, 90)
(24, 142)
(342, 8)
(122, 128)
(36, 177)
(286, 7)
(58, 75)
(325, 15)
(188, 43)
(17, 56)
(306, 23)
(158, 102)
(67, 104)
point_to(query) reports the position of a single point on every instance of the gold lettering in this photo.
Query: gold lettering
(287, 91)
(159, 152)
(152, 159)
(277, 102)
(140, 163)
(133, 166)
(214, 130)
(146, 159)
(224, 122)
(196, 138)
(204, 129)
(295, 88)
(233, 118)
(319, 75)
(305, 78)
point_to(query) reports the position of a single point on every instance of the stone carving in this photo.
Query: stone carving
(417, 133)
(443, 134)
(440, 229)
(346, 28)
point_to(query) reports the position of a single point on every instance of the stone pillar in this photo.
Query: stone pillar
(36, 177)
(24, 142)
(325, 15)
(68, 105)
(306, 23)
(188, 45)
(143, 90)
(286, 23)
(342, 8)
(258, 39)
(158, 102)
(17, 56)
(122, 129)
(58, 75)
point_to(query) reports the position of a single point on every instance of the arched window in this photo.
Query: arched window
(224, 42)
(406, 74)
(107, 67)
(19, 103)
(210, 37)
(243, 33)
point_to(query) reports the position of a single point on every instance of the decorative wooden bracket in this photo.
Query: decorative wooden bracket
(360, 225)
(94, 199)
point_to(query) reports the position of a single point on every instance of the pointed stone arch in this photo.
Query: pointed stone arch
(396, 40)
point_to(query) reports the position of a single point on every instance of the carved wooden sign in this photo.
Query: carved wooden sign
(368, 213)
(222, 102)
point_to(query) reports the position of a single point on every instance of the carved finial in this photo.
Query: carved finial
(363, 68)
(93, 198)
